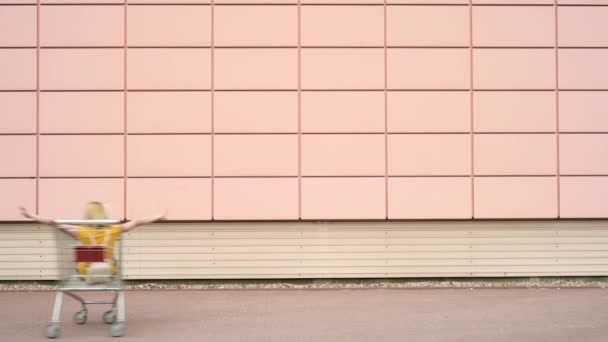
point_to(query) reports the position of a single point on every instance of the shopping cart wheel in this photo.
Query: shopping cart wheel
(80, 317)
(52, 330)
(109, 317)
(117, 329)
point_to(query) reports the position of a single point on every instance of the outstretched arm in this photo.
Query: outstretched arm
(69, 229)
(138, 222)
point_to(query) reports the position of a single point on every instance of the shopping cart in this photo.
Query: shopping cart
(76, 261)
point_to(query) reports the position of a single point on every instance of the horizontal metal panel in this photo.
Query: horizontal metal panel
(145, 266)
(18, 259)
(430, 233)
(331, 250)
(417, 256)
(28, 235)
(28, 265)
(350, 241)
(27, 251)
(211, 236)
(26, 243)
(248, 271)
(363, 248)
(374, 226)
(329, 275)
(370, 275)
(291, 249)
(17, 273)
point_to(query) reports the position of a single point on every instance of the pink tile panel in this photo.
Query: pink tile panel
(22, 193)
(292, 2)
(17, 1)
(82, 25)
(18, 69)
(513, 26)
(343, 198)
(81, 112)
(523, 112)
(583, 26)
(583, 69)
(169, 112)
(17, 112)
(343, 155)
(429, 111)
(342, 69)
(429, 154)
(181, 198)
(428, 68)
(583, 197)
(583, 111)
(82, 1)
(581, 2)
(169, 26)
(515, 154)
(112, 1)
(18, 26)
(255, 112)
(583, 154)
(343, 112)
(429, 198)
(256, 199)
(81, 156)
(18, 155)
(67, 198)
(514, 69)
(169, 155)
(515, 197)
(165, 2)
(256, 69)
(81, 69)
(429, 2)
(256, 26)
(161, 69)
(514, 111)
(342, 26)
(250, 2)
(256, 155)
(428, 25)
(324, 2)
(514, 2)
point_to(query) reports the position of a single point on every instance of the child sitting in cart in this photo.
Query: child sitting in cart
(96, 235)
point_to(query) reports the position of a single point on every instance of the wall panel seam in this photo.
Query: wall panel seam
(471, 103)
(556, 8)
(37, 107)
(299, 8)
(212, 76)
(386, 152)
(125, 108)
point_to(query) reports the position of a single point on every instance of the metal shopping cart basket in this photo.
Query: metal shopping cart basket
(86, 266)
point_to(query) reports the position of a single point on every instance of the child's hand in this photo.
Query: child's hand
(24, 212)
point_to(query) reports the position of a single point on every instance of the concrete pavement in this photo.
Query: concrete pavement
(446, 315)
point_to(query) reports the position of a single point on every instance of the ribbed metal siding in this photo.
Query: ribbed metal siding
(333, 250)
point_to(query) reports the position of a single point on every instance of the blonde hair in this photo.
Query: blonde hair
(95, 211)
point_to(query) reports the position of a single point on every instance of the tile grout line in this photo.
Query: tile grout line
(212, 79)
(299, 110)
(125, 99)
(556, 8)
(386, 189)
(37, 191)
(471, 102)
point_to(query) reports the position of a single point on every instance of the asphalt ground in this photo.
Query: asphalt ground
(488, 315)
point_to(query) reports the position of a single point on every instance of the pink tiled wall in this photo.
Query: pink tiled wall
(305, 109)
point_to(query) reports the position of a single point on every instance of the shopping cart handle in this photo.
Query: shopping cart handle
(87, 222)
